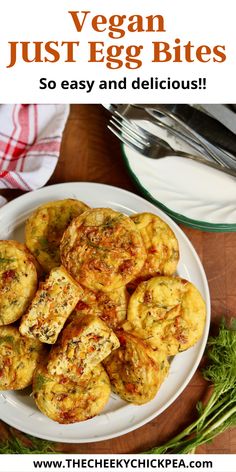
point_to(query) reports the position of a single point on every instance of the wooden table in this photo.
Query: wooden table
(90, 153)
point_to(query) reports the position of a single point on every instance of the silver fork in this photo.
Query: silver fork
(136, 112)
(155, 114)
(223, 157)
(148, 144)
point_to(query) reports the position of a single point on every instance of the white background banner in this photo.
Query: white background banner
(118, 463)
(160, 52)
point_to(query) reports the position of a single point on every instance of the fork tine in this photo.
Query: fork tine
(128, 127)
(129, 123)
(127, 135)
(143, 134)
(124, 140)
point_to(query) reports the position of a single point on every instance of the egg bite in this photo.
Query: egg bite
(168, 312)
(84, 343)
(18, 280)
(19, 357)
(53, 303)
(111, 307)
(45, 227)
(67, 401)
(102, 249)
(161, 245)
(135, 371)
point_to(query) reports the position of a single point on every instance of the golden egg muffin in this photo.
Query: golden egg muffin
(83, 344)
(54, 301)
(19, 357)
(102, 249)
(67, 401)
(161, 245)
(167, 312)
(111, 307)
(135, 371)
(45, 227)
(18, 280)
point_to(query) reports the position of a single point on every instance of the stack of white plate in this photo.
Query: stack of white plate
(191, 193)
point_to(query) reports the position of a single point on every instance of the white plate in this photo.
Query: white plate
(18, 409)
(186, 189)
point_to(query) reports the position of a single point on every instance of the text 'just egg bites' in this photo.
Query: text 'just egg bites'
(102, 249)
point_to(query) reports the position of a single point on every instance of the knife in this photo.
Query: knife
(188, 135)
(202, 123)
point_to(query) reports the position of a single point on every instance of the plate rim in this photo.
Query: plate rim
(203, 339)
(190, 222)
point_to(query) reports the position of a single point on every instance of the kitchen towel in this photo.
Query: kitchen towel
(30, 139)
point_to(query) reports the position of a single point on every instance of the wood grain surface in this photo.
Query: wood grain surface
(91, 153)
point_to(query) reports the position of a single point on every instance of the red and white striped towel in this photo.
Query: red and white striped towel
(30, 139)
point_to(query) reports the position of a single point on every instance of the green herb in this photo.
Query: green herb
(110, 222)
(7, 339)
(48, 246)
(16, 345)
(14, 445)
(95, 246)
(5, 260)
(219, 413)
(39, 382)
(14, 302)
(43, 242)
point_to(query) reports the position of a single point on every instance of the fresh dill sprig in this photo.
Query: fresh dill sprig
(219, 413)
(28, 445)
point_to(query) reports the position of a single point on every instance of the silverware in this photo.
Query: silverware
(218, 154)
(213, 122)
(150, 145)
(135, 113)
(180, 129)
(138, 112)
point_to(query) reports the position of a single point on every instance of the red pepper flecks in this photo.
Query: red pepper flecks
(184, 282)
(63, 380)
(126, 266)
(81, 305)
(131, 388)
(9, 275)
(80, 370)
(152, 250)
(147, 297)
(122, 340)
